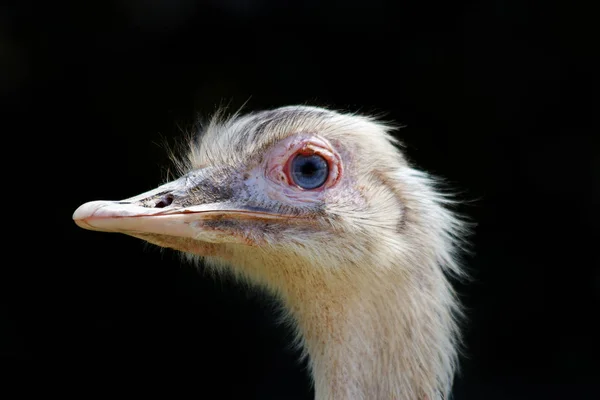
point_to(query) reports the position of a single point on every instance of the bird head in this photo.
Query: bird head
(304, 187)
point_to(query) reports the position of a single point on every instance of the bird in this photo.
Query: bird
(323, 209)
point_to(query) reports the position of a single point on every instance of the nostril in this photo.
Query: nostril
(165, 201)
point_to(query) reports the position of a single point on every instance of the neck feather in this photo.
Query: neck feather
(393, 338)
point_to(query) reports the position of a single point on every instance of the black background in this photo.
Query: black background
(497, 96)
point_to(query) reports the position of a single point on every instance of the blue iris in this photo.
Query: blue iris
(309, 171)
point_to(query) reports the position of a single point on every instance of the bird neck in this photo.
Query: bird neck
(391, 340)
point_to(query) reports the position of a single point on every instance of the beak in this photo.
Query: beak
(125, 217)
(194, 207)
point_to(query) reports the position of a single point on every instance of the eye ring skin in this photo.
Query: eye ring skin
(271, 177)
(313, 145)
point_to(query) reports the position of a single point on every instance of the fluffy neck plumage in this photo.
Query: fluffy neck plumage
(382, 328)
(390, 339)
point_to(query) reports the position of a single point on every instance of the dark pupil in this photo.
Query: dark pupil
(308, 168)
(309, 171)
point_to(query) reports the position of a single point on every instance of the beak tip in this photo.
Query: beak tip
(87, 211)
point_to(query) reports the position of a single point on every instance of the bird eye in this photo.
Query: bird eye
(309, 171)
